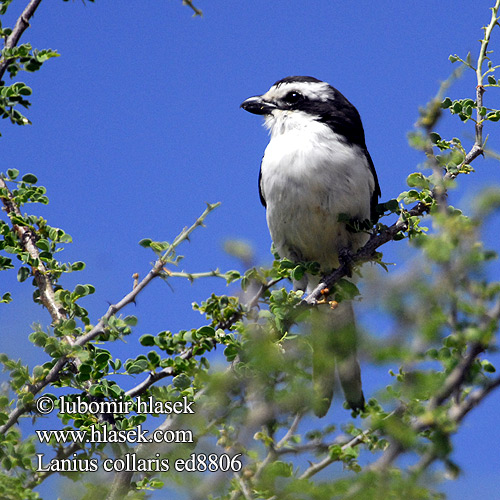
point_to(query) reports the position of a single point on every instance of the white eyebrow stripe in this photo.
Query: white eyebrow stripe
(320, 91)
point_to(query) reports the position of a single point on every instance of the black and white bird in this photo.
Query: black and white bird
(316, 167)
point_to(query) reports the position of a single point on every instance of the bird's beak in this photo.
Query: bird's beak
(258, 106)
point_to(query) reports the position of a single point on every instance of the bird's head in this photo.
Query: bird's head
(293, 93)
(295, 101)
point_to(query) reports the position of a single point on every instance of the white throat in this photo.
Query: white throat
(281, 121)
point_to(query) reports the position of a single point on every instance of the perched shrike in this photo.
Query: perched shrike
(316, 167)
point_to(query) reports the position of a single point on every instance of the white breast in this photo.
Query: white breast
(309, 177)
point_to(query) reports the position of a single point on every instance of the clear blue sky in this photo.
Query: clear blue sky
(137, 124)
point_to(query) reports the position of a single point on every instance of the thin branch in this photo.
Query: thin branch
(291, 431)
(127, 299)
(388, 457)
(100, 328)
(318, 466)
(156, 271)
(454, 380)
(455, 415)
(53, 374)
(486, 40)
(260, 293)
(316, 445)
(40, 273)
(21, 25)
(424, 463)
(195, 276)
(314, 468)
(186, 232)
(189, 3)
(154, 377)
(243, 487)
(459, 411)
(274, 451)
(478, 145)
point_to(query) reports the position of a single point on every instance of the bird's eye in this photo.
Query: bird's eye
(293, 97)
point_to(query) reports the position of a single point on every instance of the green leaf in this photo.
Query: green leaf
(346, 290)
(146, 242)
(231, 351)
(43, 244)
(147, 340)
(154, 358)
(136, 366)
(279, 468)
(115, 391)
(29, 179)
(25, 90)
(446, 103)
(434, 137)
(487, 366)
(12, 173)
(206, 331)
(80, 290)
(494, 116)
(335, 452)
(102, 359)
(23, 274)
(130, 320)
(298, 273)
(457, 107)
(181, 381)
(418, 180)
(115, 364)
(78, 266)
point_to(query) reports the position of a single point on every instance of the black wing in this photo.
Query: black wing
(261, 192)
(376, 192)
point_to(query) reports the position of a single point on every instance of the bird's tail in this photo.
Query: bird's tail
(334, 349)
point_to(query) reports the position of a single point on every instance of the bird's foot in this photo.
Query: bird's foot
(324, 296)
(324, 299)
